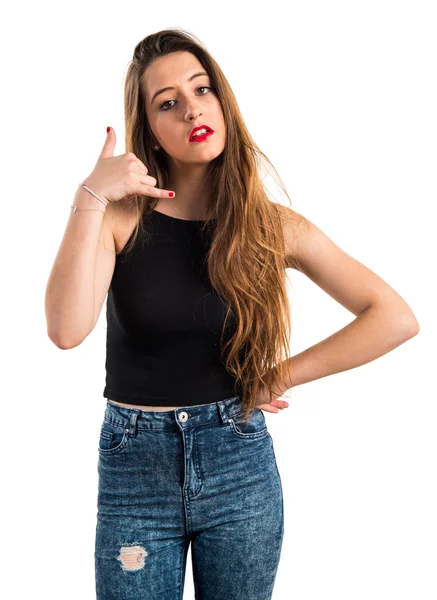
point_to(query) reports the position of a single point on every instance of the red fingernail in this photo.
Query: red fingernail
(171, 194)
(108, 129)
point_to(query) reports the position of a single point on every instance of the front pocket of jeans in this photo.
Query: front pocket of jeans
(113, 438)
(252, 428)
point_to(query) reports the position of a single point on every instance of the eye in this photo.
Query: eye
(202, 87)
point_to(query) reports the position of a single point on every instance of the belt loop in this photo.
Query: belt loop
(132, 429)
(222, 410)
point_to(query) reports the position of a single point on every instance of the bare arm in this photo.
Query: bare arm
(85, 263)
(70, 300)
(384, 320)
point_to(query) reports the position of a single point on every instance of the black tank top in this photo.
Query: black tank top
(164, 320)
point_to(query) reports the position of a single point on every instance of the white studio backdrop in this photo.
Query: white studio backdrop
(341, 97)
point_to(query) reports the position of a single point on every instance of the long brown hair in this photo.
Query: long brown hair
(246, 260)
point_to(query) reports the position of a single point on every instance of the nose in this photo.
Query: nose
(192, 113)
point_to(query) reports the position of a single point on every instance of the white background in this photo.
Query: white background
(341, 96)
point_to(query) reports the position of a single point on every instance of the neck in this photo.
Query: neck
(192, 192)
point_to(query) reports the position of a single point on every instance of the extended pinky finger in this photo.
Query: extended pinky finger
(156, 192)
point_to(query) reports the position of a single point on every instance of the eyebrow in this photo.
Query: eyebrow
(172, 88)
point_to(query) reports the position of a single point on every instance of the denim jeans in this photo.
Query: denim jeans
(199, 475)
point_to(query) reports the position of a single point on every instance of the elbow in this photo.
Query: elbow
(402, 320)
(410, 324)
(413, 329)
(410, 327)
(66, 338)
(63, 343)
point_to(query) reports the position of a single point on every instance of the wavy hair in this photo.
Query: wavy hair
(246, 260)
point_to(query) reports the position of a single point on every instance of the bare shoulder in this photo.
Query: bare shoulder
(294, 226)
(348, 281)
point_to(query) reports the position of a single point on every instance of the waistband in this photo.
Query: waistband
(181, 418)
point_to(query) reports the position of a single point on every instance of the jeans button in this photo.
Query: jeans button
(183, 416)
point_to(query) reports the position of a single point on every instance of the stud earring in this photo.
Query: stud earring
(156, 147)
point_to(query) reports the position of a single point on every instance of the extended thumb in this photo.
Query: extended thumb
(109, 145)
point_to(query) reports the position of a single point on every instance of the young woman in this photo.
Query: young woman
(180, 233)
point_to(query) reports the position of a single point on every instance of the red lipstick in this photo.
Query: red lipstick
(203, 136)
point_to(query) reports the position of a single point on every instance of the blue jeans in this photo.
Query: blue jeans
(199, 475)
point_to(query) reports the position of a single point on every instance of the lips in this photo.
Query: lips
(208, 129)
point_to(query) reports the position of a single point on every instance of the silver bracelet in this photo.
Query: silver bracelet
(105, 202)
(75, 209)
